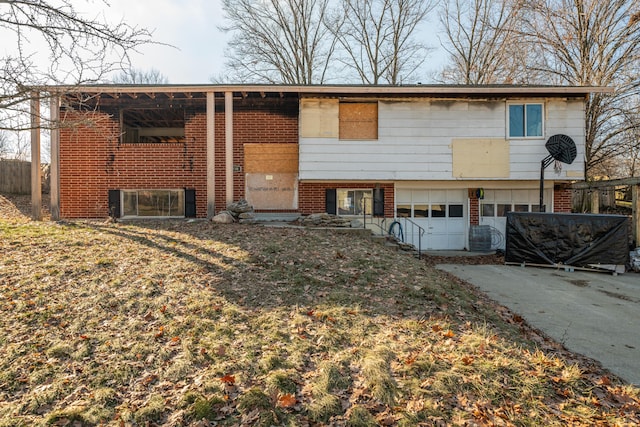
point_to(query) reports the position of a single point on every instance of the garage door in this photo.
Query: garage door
(497, 203)
(441, 213)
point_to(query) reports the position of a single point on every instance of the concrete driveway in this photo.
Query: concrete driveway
(594, 314)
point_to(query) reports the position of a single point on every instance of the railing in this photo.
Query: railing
(378, 228)
(406, 227)
(410, 228)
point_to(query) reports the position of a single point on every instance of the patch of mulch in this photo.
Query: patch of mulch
(489, 259)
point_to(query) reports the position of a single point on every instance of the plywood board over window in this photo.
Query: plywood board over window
(271, 175)
(359, 120)
(319, 118)
(271, 158)
(480, 158)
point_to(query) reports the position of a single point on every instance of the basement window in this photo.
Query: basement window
(153, 203)
(152, 125)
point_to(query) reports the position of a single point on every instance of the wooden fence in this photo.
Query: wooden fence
(15, 177)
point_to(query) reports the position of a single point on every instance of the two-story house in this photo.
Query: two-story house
(447, 157)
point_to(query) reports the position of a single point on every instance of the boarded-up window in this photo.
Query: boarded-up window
(481, 158)
(271, 158)
(319, 118)
(271, 177)
(359, 120)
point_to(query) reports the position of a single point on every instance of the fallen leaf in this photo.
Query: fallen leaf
(163, 309)
(228, 379)
(436, 328)
(449, 334)
(287, 400)
(221, 350)
(467, 360)
(604, 380)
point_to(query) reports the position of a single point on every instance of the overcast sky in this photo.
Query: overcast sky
(192, 26)
(189, 25)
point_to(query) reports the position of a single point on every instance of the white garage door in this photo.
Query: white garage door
(441, 213)
(497, 203)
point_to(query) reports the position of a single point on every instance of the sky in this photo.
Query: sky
(192, 26)
(189, 25)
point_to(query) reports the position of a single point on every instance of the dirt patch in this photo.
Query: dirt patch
(579, 283)
(491, 259)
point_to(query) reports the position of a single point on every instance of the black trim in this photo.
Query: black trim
(330, 201)
(114, 204)
(378, 202)
(190, 202)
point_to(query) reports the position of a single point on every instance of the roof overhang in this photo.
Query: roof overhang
(338, 90)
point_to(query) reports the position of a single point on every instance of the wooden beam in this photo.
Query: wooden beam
(36, 188)
(595, 201)
(228, 145)
(211, 156)
(54, 192)
(609, 183)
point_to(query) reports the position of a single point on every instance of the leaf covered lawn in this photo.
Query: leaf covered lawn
(191, 323)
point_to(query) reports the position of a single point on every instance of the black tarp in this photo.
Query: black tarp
(578, 240)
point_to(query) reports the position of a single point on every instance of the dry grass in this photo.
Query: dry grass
(177, 322)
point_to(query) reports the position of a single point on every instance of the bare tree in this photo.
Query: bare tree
(136, 76)
(278, 41)
(378, 38)
(76, 50)
(5, 149)
(591, 42)
(482, 42)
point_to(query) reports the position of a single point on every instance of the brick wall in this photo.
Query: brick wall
(263, 124)
(562, 199)
(474, 209)
(311, 195)
(93, 161)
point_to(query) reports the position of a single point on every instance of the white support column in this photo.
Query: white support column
(228, 144)
(211, 155)
(635, 217)
(55, 157)
(36, 188)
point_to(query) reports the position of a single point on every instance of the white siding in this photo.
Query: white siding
(415, 138)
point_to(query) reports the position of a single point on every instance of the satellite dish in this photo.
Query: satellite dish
(561, 148)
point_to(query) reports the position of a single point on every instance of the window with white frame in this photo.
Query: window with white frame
(354, 202)
(525, 120)
(153, 203)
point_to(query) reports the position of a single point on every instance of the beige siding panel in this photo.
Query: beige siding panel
(481, 158)
(271, 158)
(319, 118)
